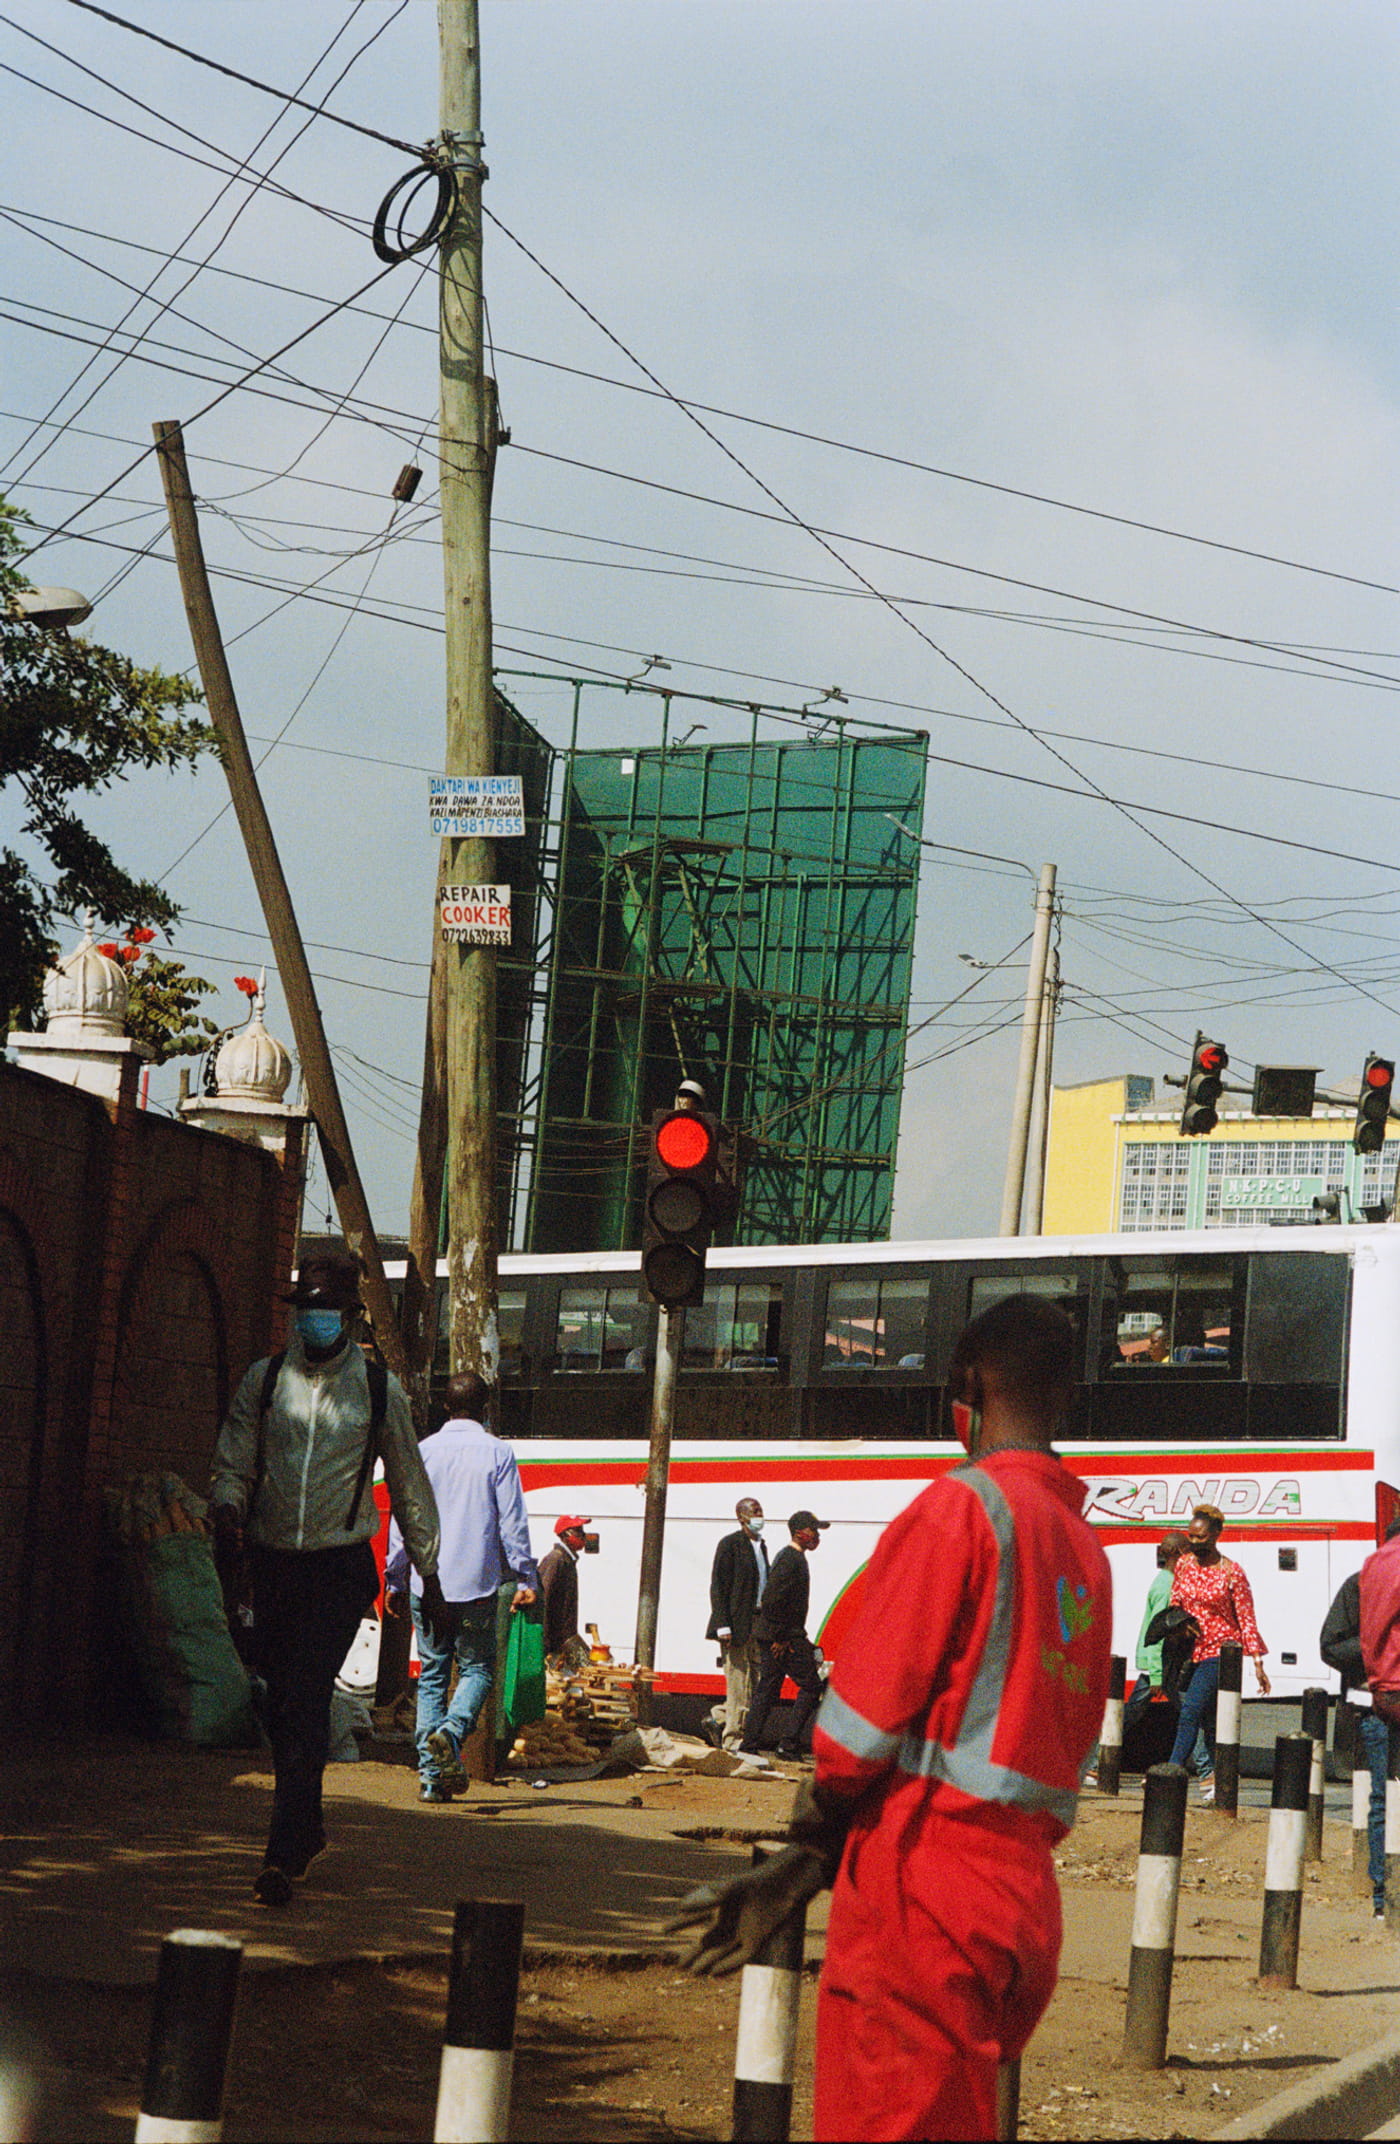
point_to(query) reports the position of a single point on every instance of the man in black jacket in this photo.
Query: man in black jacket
(783, 1645)
(738, 1579)
(1340, 1646)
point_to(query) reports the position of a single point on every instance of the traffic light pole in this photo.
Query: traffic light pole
(670, 1339)
(1025, 1070)
(1045, 1067)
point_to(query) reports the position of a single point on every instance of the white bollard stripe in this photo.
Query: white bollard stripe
(167, 2129)
(1227, 1716)
(1361, 1798)
(473, 2103)
(1283, 1866)
(1392, 1816)
(1154, 1912)
(1315, 1776)
(1112, 1723)
(767, 2036)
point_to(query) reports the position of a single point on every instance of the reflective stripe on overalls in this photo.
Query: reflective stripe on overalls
(966, 1763)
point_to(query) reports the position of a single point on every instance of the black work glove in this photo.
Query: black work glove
(435, 1614)
(737, 1918)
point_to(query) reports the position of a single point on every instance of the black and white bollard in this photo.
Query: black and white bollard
(478, 2041)
(1392, 1839)
(1361, 1823)
(1154, 1916)
(1227, 1730)
(1315, 1727)
(182, 2099)
(1111, 1739)
(766, 2046)
(1283, 1867)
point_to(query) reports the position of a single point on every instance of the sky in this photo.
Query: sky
(1086, 311)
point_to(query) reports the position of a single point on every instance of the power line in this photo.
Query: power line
(202, 59)
(196, 269)
(844, 446)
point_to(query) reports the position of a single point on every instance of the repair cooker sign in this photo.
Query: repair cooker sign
(474, 915)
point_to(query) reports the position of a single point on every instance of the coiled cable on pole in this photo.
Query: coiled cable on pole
(398, 203)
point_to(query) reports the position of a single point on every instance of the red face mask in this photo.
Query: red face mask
(967, 1426)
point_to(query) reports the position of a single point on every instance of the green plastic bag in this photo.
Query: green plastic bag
(522, 1679)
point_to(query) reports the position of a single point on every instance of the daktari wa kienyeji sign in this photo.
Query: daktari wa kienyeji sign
(474, 915)
(487, 807)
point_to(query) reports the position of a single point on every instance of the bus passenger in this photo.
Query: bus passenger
(950, 1746)
(1215, 1592)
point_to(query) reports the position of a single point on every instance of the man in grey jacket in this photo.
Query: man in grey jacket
(293, 1479)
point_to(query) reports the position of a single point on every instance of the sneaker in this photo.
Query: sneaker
(711, 1732)
(1207, 1790)
(1091, 1779)
(440, 1746)
(273, 1887)
(792, 1753)
(435, 1790)
(1378, 1913)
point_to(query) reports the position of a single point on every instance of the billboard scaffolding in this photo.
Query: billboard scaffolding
(739, 913)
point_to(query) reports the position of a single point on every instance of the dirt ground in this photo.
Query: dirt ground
(613, 2042)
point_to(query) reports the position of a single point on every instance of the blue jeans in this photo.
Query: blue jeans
(473, 1647)
(1374, 1737)
(1197, 1714)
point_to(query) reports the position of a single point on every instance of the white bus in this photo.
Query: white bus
(816, 1377)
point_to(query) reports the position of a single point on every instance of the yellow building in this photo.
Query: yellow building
(1116, 1160)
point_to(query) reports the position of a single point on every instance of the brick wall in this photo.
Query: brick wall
(141, 1263)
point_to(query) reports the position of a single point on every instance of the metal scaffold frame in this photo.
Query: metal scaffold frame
(740, 913)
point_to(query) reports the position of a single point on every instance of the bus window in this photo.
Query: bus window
(875, 1324)
(1060, 1287)
(737, 1327)
(510, 1324)
(1172, 1316)
(602, 1329)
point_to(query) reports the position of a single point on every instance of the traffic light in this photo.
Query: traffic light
(1203, 1084)
(1373, 1105)
(681, 1206)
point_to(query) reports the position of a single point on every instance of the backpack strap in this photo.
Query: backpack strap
(269, 1387)
(378, 1379)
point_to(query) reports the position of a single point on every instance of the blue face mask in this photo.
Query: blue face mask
(320, 1328)
(754, 1526)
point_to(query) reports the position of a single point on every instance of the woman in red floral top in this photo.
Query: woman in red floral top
(1215, 1593)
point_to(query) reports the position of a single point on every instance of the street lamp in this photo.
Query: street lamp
(55, 609)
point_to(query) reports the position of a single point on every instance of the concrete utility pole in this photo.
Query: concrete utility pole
(1040, 1134)
(317, 1068)
(1025, 1070)
(467, 431)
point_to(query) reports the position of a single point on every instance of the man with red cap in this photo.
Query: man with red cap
(559, 1583)
(957, 1726)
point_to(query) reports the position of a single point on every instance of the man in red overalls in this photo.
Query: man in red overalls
(949, 1752)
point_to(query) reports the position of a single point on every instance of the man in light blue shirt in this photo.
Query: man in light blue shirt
(485, 1536)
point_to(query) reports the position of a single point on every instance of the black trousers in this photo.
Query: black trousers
(798, 1660)
(306, 1611)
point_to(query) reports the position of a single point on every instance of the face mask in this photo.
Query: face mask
(967, 1426)
(754, 1526)
(320, 1328)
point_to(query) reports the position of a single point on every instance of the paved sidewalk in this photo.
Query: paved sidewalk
(111, 1844)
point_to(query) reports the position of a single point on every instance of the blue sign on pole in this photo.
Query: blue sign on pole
(487, 806)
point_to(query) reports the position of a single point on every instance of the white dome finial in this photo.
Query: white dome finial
(252, 1065)
(87, 993)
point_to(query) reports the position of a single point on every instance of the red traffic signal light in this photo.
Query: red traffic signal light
(681, 1207)
(1373, 1105)
(1203, 1087)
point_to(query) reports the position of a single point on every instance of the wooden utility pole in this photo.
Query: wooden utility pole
(319, 1072)
(467, 431)
(1044, 1083)
(1025, 1070)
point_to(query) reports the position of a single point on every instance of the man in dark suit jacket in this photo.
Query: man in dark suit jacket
(737, 1581)
(783, 1645)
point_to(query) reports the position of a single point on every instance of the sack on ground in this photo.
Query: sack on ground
(194, 1686)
